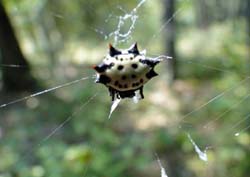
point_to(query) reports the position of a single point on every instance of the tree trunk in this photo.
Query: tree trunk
(14, 78)
(203, 9)
(248, 33)
(170, 38)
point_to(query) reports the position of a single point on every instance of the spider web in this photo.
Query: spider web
(125, 37)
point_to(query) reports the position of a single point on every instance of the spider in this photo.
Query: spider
(124, 72)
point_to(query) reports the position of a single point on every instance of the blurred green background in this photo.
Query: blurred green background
(203, 91)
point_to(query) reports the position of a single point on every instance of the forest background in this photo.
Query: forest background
(202, 92)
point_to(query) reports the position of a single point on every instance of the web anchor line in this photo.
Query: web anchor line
(59, 127)
(12, 66)
(213, 99)
(244, 129)
(225, 112)
(246, 117)
(43, 92)
(68, 119)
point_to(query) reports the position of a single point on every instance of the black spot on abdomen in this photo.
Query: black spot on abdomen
(136, 84)
(120, 67)
(133, 76)
(134, 66)
(124, 77)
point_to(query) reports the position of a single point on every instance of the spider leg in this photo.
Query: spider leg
(141, 92)
(112, 93)
(118, 95)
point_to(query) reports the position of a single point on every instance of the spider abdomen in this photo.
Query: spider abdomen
(125, 72)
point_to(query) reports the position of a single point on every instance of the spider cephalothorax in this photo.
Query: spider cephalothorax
(125, 71)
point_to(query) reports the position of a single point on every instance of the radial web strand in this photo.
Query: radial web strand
(59, 127)
(44, 91)
(239, 123)
(228, 110)
(12, 66)
(214, 99)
